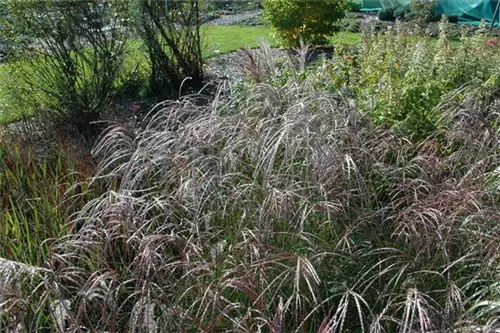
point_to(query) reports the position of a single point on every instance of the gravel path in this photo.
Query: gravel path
(237, 18)
(231, 66)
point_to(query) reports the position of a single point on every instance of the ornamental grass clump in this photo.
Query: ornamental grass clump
(288, 211)
(41, 187)
(35, 183)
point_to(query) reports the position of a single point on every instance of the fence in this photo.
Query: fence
(467, 11)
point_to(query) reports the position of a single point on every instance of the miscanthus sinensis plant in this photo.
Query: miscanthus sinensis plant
(288, 211)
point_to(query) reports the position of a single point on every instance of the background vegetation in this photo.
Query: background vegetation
(310, 21)
(68, 63)
(173, 43)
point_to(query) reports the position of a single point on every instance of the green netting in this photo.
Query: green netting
(468, 11)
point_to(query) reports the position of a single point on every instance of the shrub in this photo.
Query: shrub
(70, 61)
(453, 18)
(310, 21)
(172, 40)
(401, 11)
(423, 11)
(402, 79)
(386, 14)
(353, 5)
(4, 50)
(4, 45)
(351, 23)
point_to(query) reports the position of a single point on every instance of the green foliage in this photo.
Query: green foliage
(423, 11)
(386, 14)
(71, 55)
(354, 5)
(42, 185)
(453, 18)
(393, 227)
(12, 102)
(401, 11)
(310, 21)
(392, 13)
(171, 37)
(402, 79)
(5, 48)
(285, 201)
(356, 194)
(34, 207)
(420, 11)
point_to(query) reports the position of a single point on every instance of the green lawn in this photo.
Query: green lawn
(217, 40)
(12, 98)
(224, 39)
(3, 77)
(3, 92)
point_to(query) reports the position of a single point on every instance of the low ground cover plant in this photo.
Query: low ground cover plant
(419, 11)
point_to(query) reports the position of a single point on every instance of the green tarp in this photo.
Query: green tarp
(468, 11)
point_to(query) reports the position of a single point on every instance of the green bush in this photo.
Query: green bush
(353, 5)
(172, 40)
(4, 45)
(423, 11)
(351, 23)
(453, 18)
(310, 21)
(403, 79)
(401, 11)
(386, 14)
(71, 54)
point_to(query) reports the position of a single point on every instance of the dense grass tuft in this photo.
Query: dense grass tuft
(41, 187)
(288, 211)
